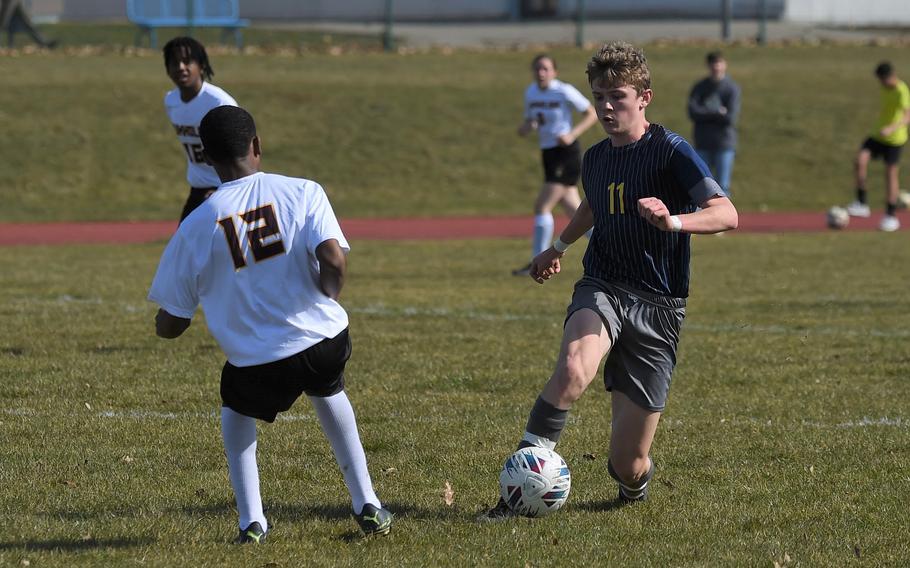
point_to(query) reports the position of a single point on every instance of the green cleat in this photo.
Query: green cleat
(374, 521)
(253, 534)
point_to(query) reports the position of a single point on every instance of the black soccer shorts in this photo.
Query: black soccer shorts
(262, 391)
(562, 164)
(889, 154)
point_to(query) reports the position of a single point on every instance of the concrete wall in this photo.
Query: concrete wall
(44, 11)
(849, 12)
(425, 10)
(707, 9)
(372, 10)
(94, 10)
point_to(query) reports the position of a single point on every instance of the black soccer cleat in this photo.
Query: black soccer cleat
(625, 499)
(374, 521)
(629, 495)
(253, 534)
(500, 512)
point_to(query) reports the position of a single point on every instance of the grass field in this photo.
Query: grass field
(787, 435)
(786, 438)
(422, 134)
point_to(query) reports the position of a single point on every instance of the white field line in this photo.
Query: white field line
(214, 416)
(413, 312)
(381, 310)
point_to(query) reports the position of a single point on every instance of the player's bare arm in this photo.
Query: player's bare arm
(168, 326)
(546, 264)
(891, 128)
(589, 120)
(332, 267)
(717, 215)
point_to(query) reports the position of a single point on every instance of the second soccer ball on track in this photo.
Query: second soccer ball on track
(838, 218)
(903, 200)
(535, 482)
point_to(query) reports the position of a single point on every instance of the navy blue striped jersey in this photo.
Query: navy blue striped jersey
(625, 248)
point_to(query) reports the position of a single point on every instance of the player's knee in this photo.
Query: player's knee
(630, 469)
(572, 377)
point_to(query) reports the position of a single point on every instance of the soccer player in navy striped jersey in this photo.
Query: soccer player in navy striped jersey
(646, 190)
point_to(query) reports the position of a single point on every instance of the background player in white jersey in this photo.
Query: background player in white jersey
(188, 66)
(265, 257)
(548, 109)
(646, 190)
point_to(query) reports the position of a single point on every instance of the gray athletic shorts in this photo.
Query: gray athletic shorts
(644, 329)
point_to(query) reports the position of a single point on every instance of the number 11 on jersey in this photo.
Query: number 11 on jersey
(617, 193)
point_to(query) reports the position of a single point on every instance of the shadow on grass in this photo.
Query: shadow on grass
(302, 512)
(600, 505)
(334, 512)
(75, 545)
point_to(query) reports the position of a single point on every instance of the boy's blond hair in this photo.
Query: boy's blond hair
(619, 64)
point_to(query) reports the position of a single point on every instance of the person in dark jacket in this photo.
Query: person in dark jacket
(714, 109)
(14, 18)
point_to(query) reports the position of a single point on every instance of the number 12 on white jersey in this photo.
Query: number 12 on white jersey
(263, 234)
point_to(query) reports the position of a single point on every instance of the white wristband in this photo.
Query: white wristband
(675, 224)
(560, 246)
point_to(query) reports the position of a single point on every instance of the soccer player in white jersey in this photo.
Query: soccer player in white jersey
(188, 66)
(265, 257)
(646, 192)
(549, 104)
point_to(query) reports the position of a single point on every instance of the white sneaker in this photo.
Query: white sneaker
(857, 209)
(889, 224)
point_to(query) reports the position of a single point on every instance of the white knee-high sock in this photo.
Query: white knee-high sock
(336, 416)
(239, 433)
(543, 233)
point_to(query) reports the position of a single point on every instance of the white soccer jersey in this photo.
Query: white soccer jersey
(247, 254)
(552, 109)
(186, 118)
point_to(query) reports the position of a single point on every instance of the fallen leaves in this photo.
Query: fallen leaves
(783, 562)
(448, 494)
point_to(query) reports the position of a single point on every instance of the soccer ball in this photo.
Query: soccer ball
(838, 218)
(535, 482)
(903, 199)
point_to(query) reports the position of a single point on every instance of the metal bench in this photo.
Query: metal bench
(149, 15)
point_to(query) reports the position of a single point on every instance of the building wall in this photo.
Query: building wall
(849, 12)
(371, 10)
(671, 9)
(94, 10)
(352, 10)
(426, 10)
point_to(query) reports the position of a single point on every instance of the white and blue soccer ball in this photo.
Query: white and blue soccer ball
(838, 218)
(903, 199)
(535, 482)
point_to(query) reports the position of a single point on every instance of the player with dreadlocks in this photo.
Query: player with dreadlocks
(188, 66)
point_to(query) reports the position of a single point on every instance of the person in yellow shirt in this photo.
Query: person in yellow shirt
(886, 142)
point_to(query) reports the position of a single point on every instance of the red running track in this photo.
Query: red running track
(17, 234)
